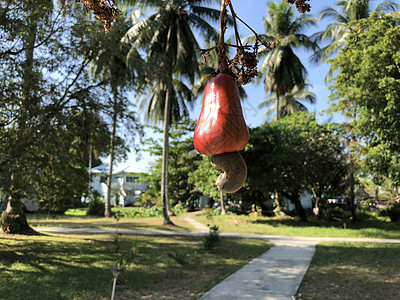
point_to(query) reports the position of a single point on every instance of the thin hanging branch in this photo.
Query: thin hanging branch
(244, 65)
(222, 58)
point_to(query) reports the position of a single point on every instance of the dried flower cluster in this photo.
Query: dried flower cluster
(104, 10)
(301, 5)
(244, 64)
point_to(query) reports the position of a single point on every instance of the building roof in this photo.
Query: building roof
(118, 169)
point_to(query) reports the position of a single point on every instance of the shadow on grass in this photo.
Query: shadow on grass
(66, 266)
(42, 220)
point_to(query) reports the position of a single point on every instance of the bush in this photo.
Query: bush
(179, 257)
(212, 239)
(337, 214)
(256, 211)
(138, 212)
(210, 213)
(393, 213)
(96, 207)
(179, 209)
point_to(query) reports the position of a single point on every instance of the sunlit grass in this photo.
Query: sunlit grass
(342, 270)
(61, 266)
(370, 226)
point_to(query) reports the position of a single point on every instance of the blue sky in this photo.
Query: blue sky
(252, 12)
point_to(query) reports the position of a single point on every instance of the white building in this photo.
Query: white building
(124, 187)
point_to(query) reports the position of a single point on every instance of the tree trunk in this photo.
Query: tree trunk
(89, 192)
(317, 197)
(277, 107)
(297, 204)
(351, 183)
(165, 156)
(107, 210)
(299, 208)
(316, 208)
(351, 196)
(13, 219)
(221, 196)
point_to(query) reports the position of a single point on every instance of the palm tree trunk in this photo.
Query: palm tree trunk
(277, 107)
(221, 196)
(107, 210)
(352, 180)
(165, 156)
(351, 194)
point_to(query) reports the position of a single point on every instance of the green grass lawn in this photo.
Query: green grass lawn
(370, 226)
(61, 266)
(76, 221)
(341, 270)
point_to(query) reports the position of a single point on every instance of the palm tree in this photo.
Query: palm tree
(343, 14)
(171, 46)
(109, 66)
(282, 69)
(290, 102)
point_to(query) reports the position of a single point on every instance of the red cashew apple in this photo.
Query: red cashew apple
(221, 129)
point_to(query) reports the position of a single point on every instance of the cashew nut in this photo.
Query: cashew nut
(233, 171)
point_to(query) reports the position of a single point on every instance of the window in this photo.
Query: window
(103, 179)
(131, 178)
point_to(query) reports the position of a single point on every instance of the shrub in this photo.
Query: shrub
(179, 257)
(96, 207)
(337, 214)
(256, 211)
(179, 209)
(210, 213)
(212, 239)
(393, 213)
(124, 258)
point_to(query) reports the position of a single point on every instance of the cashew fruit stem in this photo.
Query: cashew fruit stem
(233, 171)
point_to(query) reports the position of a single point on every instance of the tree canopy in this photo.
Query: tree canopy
(293, 155)
(368, 84)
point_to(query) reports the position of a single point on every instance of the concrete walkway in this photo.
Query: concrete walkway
(275, 275)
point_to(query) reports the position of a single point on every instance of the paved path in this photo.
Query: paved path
(275, 275)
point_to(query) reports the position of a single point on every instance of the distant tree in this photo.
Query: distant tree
(110, 67)
(167, 37)
(183, 160)
(290, 103)
(293, 155)
(203, 179)
(281, 68)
